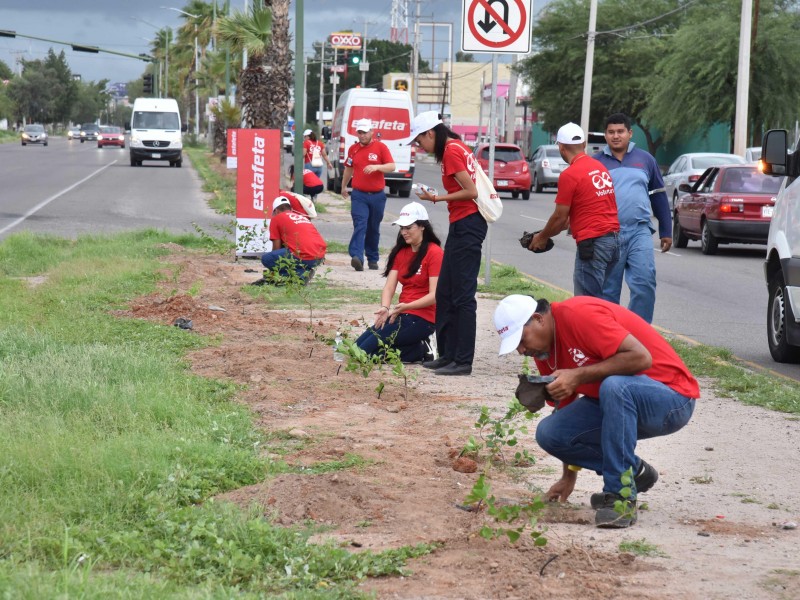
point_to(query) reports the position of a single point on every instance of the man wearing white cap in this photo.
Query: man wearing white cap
(414, 263)
(366, 163)
(586, 203)
(616, 381)
(293, 236)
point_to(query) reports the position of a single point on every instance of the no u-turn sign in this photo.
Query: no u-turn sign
(496, 26)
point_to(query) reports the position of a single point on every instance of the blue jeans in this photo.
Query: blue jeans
(270, 259)
(366, 209)
(412, 331)
(316, 170)
(601, 434)
(637, 262)
(456, 307)
(589, 276)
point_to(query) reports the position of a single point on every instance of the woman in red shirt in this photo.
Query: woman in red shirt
(310, 143)
(414, 263)
(456, 306)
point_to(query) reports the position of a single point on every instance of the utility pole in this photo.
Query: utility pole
(480, 109)
(364, 66)
(335, 77)
(487, 271)
(321, 120)
(511, 104)
(299, 92)
(415, 60)
(587, 73)
(743, 79)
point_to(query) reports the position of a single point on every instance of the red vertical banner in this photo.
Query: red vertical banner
(258, 157)
(230, 153)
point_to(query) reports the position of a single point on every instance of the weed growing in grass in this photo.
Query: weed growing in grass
(641, 547)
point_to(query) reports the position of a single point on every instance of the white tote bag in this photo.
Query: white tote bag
(489, 204)
(316, 157)
(308, 205)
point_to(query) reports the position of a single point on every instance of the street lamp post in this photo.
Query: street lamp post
(196, 68)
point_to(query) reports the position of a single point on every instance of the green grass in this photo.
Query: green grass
(223, 188)
(641, 548)
(111, 450)
(507, 280)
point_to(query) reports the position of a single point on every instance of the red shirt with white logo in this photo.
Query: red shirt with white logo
(294, 202)
(308, 150)
(589, 330)
(310, 179)
(458, 157)
(358, 157)
(586, 187)
(297, 234)
(418, 285)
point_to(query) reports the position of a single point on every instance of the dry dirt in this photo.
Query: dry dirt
(728, 482)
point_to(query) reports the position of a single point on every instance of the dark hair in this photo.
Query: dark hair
(428, 237)
(443, 134)
(312, 136)
(619, 119)
(542, 306)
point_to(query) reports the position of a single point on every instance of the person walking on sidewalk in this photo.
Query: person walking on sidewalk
(640, 193)
(366, 163)
(456, 306)
(617, 381)
(314, 153)
(585, 202)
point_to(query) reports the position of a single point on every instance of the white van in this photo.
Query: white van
(156, 131)
(782, 266)
(391, 112)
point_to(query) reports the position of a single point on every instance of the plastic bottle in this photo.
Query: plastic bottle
(421, 187)
(338, 356)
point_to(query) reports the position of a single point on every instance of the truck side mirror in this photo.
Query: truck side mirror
(184, 127)
(773, 152)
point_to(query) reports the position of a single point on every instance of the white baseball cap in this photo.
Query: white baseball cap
(510, 317)
(423, 122)
(364, 125)
(411, 213)
(571, 133)
(306, 132)
(279, 201)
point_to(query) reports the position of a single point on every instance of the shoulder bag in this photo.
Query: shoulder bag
(489, 204)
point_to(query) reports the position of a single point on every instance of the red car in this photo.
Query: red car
(110, 136)
(511, 171)
(729, 204)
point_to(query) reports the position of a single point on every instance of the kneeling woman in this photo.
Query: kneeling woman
(414, 263)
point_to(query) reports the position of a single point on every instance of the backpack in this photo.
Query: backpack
(316, 157)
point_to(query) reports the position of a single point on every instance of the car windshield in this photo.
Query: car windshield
(34, 129)
(89, 126)
(110, 130)
(749, 180)
(155, 120)
(503, 154)
(552, 152)
(703, 162)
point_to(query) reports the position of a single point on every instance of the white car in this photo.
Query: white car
(687, 168)
(288, 141)
(752, 154)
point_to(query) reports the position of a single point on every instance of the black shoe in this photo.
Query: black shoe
(357, 263)
(607, 515)
(645, 479)
(308, 276)
(455, 369)
(373, 266)
(259, 282)
(437, 364)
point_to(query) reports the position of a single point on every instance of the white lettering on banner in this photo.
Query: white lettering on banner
(258, 172)
(346, 40)
(384, 125)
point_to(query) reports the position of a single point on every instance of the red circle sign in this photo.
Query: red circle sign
(513, 36)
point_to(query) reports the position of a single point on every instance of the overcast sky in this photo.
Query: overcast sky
(117, 25)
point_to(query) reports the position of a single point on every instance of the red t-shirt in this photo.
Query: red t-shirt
(310, 179)
(586, 187)
(418, 285)
(294, 202)
(358, 157)
(297, 234)
(589, 330)
(308, 152)
(458, 157)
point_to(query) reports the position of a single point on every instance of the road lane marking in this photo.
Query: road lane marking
(533, 218)
(44, 203)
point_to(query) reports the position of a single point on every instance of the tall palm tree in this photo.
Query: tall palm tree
(279, 57)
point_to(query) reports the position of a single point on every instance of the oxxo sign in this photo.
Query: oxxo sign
(345, 40)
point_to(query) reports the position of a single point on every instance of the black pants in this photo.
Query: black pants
(456, 306)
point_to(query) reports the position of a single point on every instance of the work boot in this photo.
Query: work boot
(455, 369)
(357, 263)
(608, 517)
(438, 363)
(373, 266)
(645, 479)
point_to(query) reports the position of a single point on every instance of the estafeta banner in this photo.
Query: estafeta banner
(230, 153)
(258, 157)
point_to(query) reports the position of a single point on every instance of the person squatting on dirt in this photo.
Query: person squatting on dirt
(366, 163)
(586, 203)
(414, 263)
(456, 306)
(617, 381)
(314, 154)
(312, 185)
(293, 236)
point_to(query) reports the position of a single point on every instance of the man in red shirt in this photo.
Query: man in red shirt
(632, 386)
(366, 163)
(295, 238)
(586, 203)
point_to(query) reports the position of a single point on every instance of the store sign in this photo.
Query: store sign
(346, 40)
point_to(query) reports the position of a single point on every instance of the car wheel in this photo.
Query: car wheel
(675, 200)
(779, 315)
(536, 186)
(515, 195)
(46, 144)
(526, 195)
(24, 144)
(678, 236)
(708, 243)
(82, 141)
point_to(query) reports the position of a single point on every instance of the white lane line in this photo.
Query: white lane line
(533, 218)
(44, 203)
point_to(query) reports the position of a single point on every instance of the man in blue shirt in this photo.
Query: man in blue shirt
(640, 194)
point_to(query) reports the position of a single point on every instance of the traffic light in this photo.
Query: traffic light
(355, 59)
(148, 83)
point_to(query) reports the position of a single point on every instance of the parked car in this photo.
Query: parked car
(687, 168)
(730, 204)
(782, 266)
(511, 172)
(546, 165)
(110, 136)
(73, 133)
(288, 141)
(89, 131)
(33, 134)
(752, 154)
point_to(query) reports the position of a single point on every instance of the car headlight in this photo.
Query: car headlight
(134, 139)
(122, 137)
(25, 136)
(83, 134)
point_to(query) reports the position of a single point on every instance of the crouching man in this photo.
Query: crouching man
(293, 237)
(617, 381)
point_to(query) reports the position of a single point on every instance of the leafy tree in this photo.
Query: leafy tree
(5, 71)
(63, 89)
(91, 100)
(464, 57)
